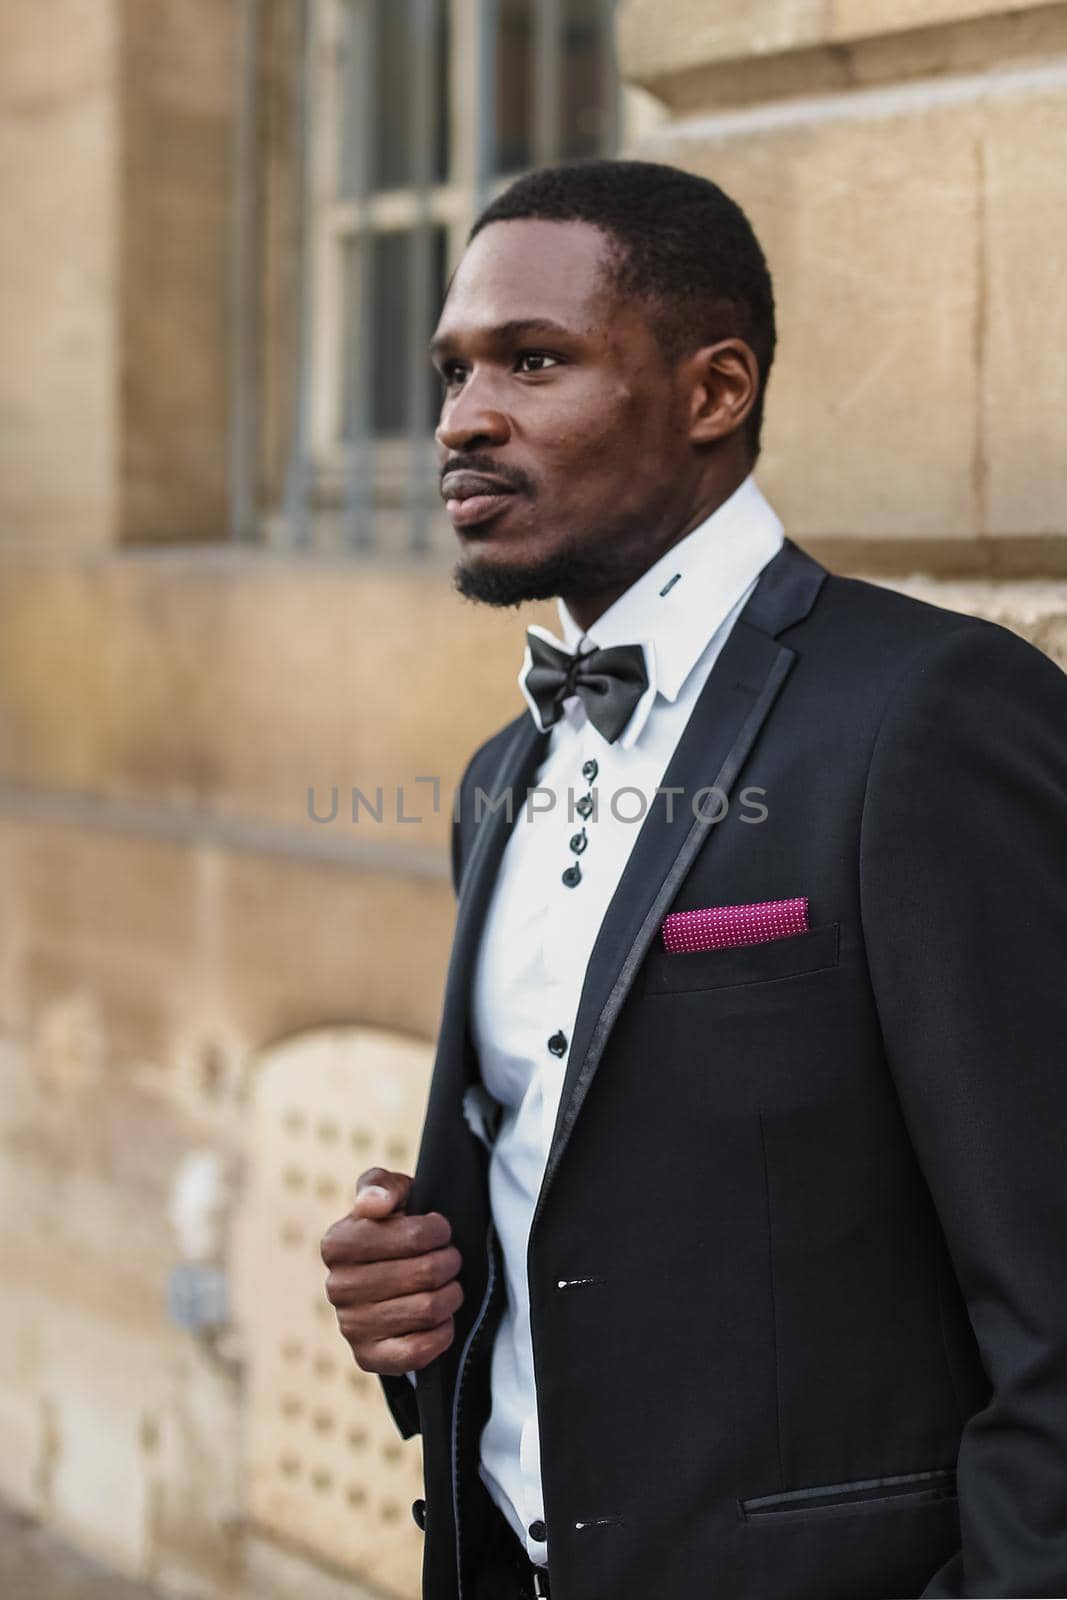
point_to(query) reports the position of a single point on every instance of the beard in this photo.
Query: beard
(573, 572)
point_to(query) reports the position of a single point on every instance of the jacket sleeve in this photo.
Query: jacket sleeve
(963, 865)
(400, 1398)
(400, 1392)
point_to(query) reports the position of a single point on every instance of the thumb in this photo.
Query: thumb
(379, 1193)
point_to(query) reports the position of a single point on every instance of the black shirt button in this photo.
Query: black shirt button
(558, 1042)
(418, 1512)
(584, 806)
(537, 1530)
(579, 841)
(572, 876)
(589, 771)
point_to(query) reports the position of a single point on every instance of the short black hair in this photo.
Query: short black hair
(678, 242)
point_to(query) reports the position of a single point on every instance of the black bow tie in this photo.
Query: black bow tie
(609, 683)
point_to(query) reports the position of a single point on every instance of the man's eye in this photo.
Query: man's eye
(453, 372)
(537, 355)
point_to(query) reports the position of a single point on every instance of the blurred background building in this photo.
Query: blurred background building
(225, 605)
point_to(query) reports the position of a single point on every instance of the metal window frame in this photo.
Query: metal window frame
(246, 284)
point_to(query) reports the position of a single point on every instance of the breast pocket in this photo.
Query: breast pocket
(668, 972)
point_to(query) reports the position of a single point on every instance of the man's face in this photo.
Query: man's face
(578, 422)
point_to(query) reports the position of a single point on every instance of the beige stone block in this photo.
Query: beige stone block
(87, 1479)
(854, 19)
(58, 273)
(122, 1428)
(273, 1571)
(998, 42)
(304, 943)
(116, 918)
(179, 91)
(655, 41)
(871, 227)
(10, 929)
(1024, 326)
(234, 684)
(55, 704)
(175, 959)
(329, 677)
(912, 237)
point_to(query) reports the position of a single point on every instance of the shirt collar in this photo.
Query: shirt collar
(675, 607)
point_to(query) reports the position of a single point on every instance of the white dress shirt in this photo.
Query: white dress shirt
(539, 934)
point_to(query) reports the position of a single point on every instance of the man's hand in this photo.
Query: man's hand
(391, 1277)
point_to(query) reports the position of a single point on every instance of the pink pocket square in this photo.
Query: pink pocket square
(720, 927)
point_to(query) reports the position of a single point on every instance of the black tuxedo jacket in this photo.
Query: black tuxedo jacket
(816, 1188)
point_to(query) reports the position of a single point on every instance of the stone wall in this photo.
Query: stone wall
(59, 250)
(901, 164)
(170, 911)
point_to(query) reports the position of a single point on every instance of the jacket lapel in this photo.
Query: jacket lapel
(726, 721)
(454, 1062)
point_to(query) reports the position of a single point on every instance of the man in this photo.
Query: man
(733, 1265)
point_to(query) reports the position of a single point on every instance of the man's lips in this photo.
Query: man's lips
(472, 497)
(476, 508)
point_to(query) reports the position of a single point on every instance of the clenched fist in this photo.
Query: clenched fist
(391, 1277)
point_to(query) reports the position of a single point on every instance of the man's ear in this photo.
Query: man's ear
(723, 381)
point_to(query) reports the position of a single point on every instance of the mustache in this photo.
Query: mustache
(516, 481)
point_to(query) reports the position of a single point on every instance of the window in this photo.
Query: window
(415, 113)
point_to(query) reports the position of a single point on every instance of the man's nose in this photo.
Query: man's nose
(470, 419)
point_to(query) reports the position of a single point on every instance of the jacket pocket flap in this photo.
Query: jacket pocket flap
(938, 1483)
(671, 973)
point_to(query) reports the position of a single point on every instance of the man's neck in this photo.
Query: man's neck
(587, 609)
